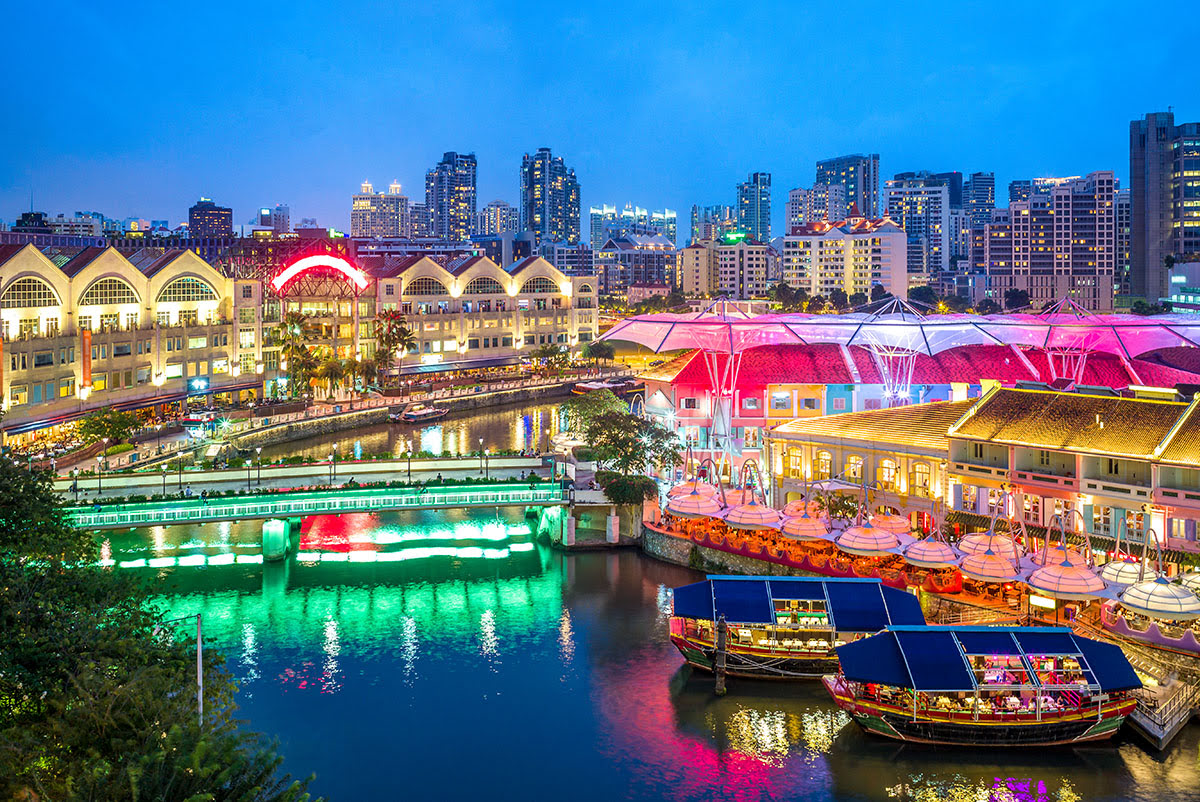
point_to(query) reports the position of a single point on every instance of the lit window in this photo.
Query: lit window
(425, 286)
(108, 291)
(28, 293)
(188, 288)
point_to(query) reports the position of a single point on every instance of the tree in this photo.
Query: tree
(987, 307)
(923, 295)
(626, 489)
(551, 355)
(108, 422)
(838, 298)
(878, 293)
(599, 350)
(858, 299)
(954, 303)
(392, 336)
(295, 333)
(581, 410)
(332, 372)
(1015, 298)
(90, 678)
(632, 445)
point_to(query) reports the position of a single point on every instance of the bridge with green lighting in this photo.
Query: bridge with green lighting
(301, 504)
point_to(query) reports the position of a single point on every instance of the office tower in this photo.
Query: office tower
(851, 255)
(1019, 190)
(1058, 244)
(858, 175)
(599, 218)
(713, 222)
(1123, 271)
(920, 204)
(754, 206)
(496, 218)
(666, 223)
(571, 260)
(207, 219)
(822, 202)
(374, 215)
(450, 196)
(420, 221)
(549, 198)
(745, 267)
(1164, 176)
(958, 235)
(979, 198)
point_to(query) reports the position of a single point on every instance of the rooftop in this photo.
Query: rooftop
(917, 426)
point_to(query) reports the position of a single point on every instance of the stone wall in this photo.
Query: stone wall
(684, 552)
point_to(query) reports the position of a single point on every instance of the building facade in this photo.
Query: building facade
(979, 198)
(497, 217)
(207, 219)
(713, 222)
(851, 255)
(754, 207)
(920, 204)
(450, 196)
(858, 175)
(634, 259)
(746, 268)
(1164, 176)
(822, 202)
(1123, 272)
(375, 215)
(549, 198)
(697, 276)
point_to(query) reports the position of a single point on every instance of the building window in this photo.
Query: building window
(689, 403)
(189, 317)
(425, 286)
(977, 451)
(246, 338)
(245, 363)
(1101, 520)
(85, 323)
(246, 316)
(886, 474)
(188, 288)
(970, 498)
(163, 318)
(1114, 467)
(919, 483)
(28, 293)
(538, 285)
(389, 290)
(1044, 458)
(854, 467)
(781, 400)
(483, 285)
(107, 292)
(197, 342)
(809, 403)
(1033, 508)
(749, 403)
(823, 468)
(247, 291)
(109, 322)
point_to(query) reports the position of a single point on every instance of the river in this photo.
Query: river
(445, 655)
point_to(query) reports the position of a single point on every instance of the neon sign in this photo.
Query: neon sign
(356, 276)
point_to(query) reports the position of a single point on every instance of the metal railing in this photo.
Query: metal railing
(285, 505)
(1166, 713)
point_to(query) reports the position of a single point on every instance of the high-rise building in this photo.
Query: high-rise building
(697, 275)
(1123, 272)
(450, 196)
(1019, 190)
(858, 174)
(420, 221)
(958, 235)
(666, 222)
(374, 215)
(920, 204)
(1164, 176)
(496, 218)
(572, 260)
(745, 267)
(634, 259)
(822, 202)
(850, 255)
(207, 219)
(599, 218)
(713, 222)
(549, 198)
(754, 206)
(979, 198)
(1055, 245)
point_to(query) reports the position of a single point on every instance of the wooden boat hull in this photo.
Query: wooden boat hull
(756, 664)
(897, 724)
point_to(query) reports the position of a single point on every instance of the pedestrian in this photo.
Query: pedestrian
(204, 497)
(188, 491)
(439, 477)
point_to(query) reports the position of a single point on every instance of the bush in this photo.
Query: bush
(622, 489)
(119, 448)
(584, 454)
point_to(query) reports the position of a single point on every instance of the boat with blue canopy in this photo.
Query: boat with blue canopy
(975, 686)
(783, 627)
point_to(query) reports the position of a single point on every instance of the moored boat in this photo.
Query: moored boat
(783, 627)
(984, 686)
(417, 413)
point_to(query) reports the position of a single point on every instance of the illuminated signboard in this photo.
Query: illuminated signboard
(357, 277)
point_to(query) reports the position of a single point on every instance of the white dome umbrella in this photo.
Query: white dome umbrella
(685, 488)
(1124, 573)
(1067, 582)
(1191, 581)
(736, 496)
(980, 542)
(896, 524)
(931, 553)
(802, 507)
(802, 527)
(990, 567)
(866, 540)
(1057, 554)
(751, 515)
(1161, 599)
(694, 505)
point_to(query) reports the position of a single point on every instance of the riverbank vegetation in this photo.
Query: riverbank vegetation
(97, 692)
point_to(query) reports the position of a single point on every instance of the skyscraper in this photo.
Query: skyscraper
(378, 215)
(549, 198)
(920, 204)
(979, 198)
(822, 202)
(1123, 272)
(1019, 190)
(1164, 176)
(496, 218)
(207, 219)
(713, 222)
(858, 174)
(450, 196)
(754, 206)
(605, 221)
(666, 223)
(600, 217)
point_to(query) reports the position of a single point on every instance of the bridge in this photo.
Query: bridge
(300, 504)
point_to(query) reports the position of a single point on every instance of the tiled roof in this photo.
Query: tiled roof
(81, 260)
(1183, 448)
(387, 266)
(916, 426)
(778, 364)
(9, 251)
(1072, 422)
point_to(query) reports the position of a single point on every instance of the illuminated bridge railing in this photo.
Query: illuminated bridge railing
(290, 505)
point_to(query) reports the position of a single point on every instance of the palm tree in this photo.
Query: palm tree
(331, 371)
(391, 335)
(294, 333)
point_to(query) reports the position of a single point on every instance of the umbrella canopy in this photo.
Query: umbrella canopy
(751, 515)
(685, 488)
(737, 496)
(1159, 598)
(980, 542)
(694, 505)
(867, 541)
(1066, 581)
(801, 507)
(931, 554)
(988, 566)
(896, 524)
(1123, 573)
(1191, 581)
(802, 527)
(1057, 554)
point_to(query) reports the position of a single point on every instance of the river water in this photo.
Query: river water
(445, 655)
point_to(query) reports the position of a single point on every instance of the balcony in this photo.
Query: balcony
(1036, 478)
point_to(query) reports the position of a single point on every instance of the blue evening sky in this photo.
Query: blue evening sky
(136, 110)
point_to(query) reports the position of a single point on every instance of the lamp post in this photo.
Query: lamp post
(100, 466)
(485, 465)
(408, 454)
(258, 456)
(75, 483)
(481, 455)
(179, 462)
(331, 469)
(249, 465)
(199, 664)
(164, 475)
(332, 461)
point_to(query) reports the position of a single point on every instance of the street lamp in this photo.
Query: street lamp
(164, 474)
(408, 454)
(481, 455)
(249, 465)
(100, 466)
(485, 463)
(331, 469)
(258, 456)
(75, 483)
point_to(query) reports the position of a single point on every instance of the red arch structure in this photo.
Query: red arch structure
(353, 274)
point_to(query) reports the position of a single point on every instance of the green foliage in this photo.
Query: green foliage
(97, 700)
(632, 445)
(789, 299)
(295, 333)
(392, 336)
(108, 422)
(626, 489)
(858, 299)
(581, 410)
(923, 295)
(987, 307)
(838, 298)
(119, 448)
(1015, 298)
(551, 355)
(597, 351)
(878, 293)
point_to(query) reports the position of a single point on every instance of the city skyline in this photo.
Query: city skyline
(244, 143)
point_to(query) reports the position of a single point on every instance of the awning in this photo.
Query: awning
(469, 364)
(1109, 665)
(852, 605)
(934, 661)
(876, 659)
